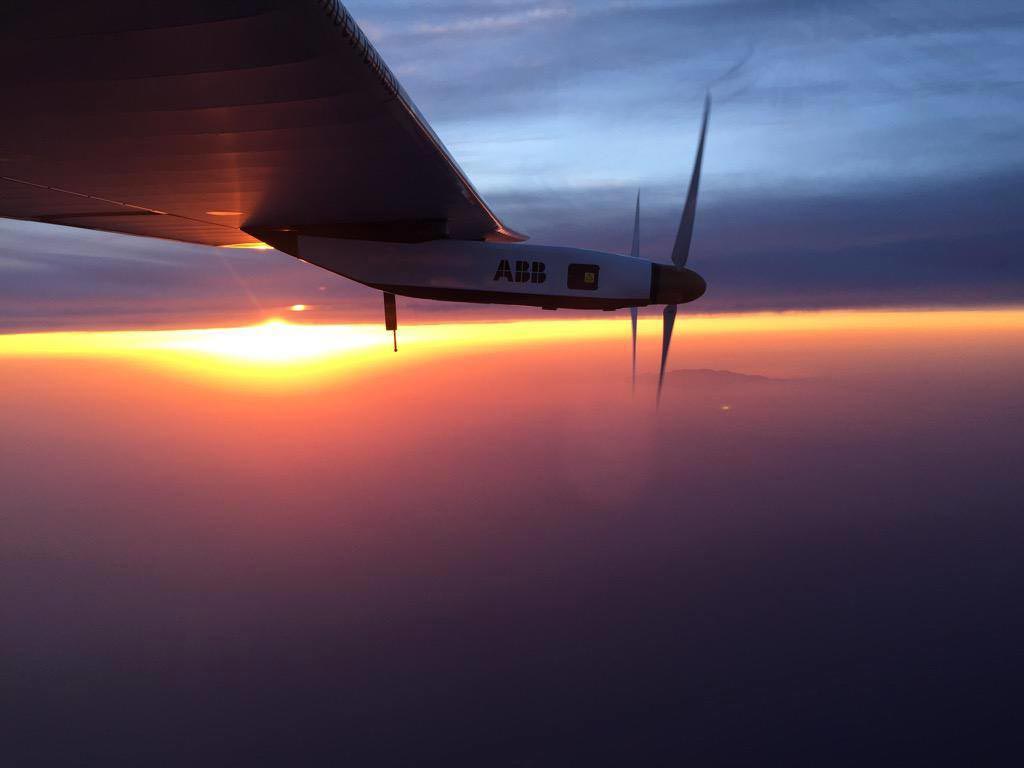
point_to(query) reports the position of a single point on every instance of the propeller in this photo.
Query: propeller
(681, 250)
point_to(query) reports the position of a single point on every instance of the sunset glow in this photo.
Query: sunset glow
(292, 351)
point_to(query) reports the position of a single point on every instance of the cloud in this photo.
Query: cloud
(494, 23)
(501, 559)
(815, 91)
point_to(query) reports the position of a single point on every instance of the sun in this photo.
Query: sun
(274, 341)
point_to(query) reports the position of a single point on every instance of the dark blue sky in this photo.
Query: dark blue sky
(860, 154)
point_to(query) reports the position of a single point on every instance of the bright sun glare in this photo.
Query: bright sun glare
(279, 351)
(274, 341)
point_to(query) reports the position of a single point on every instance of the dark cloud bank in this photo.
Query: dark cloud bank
(950, 246)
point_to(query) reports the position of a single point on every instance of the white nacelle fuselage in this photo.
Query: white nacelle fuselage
(502, 273)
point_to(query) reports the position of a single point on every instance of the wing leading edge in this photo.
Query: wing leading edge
(198, 119)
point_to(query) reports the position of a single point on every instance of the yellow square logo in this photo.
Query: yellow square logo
(588, 278)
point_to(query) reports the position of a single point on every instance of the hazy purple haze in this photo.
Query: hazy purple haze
(504, 559)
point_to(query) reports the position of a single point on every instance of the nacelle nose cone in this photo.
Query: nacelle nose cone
(675, 285)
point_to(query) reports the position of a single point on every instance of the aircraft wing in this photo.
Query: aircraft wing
(195, 119)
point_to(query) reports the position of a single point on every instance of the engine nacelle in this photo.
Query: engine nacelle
(675, 285)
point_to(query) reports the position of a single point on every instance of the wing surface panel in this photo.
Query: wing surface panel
(194, 118)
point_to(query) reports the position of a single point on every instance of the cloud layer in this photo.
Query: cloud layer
(503, 559)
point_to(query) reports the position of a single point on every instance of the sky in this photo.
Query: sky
(237, 529)
(860, 154)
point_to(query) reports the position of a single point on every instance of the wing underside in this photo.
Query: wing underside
(195, 119)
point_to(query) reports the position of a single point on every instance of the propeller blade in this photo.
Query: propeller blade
(633, 316)
(666, 342)
(681, 250)
(636, 255)
(636, 229)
